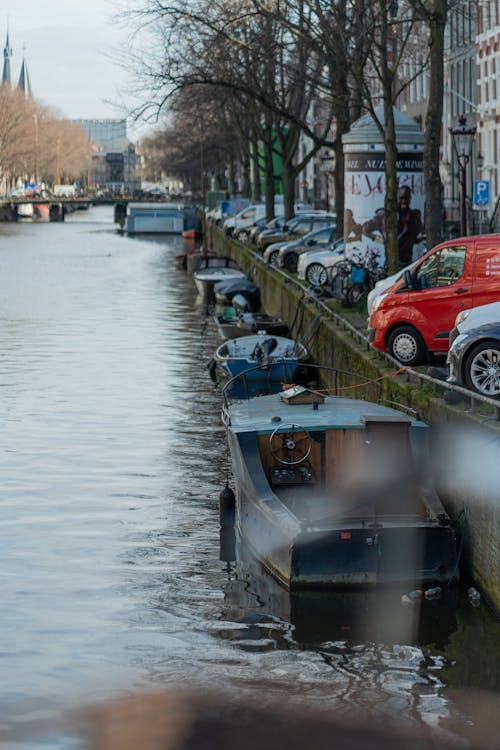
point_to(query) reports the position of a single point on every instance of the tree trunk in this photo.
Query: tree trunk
(255, 170)
(433, 120)
(288, 177)
(391, 190)
(269, 173)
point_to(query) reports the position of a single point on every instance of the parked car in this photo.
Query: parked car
(473, 360)
(473, 318)
(245, 218)
(277, 224)
(415, 315)
(290, 252)
(244, 233)
(295, 228)
(315, 265)
(474, 355)
(318, 238)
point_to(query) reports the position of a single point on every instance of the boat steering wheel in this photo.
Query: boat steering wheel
(294, 443)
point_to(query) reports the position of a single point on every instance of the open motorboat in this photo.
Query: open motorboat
(278, 355)
(225, 291)
(231, 324)
(205, 278)
(337, 492)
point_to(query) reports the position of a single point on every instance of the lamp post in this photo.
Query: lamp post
(463, 136)
(327, 167)
(35, 118)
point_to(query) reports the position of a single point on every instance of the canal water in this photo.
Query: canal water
(112, 458)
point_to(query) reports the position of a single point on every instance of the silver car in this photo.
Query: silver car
(290, 252)
(474, 355)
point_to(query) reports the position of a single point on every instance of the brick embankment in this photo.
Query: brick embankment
(337, 338)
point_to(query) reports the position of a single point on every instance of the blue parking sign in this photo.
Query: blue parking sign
(481, 192)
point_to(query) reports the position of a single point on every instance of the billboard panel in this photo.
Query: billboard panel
(364, 217)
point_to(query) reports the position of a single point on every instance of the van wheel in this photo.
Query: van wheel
(482, 369)
(407, 346)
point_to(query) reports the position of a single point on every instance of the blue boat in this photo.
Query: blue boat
(277, 356)
(333, 491)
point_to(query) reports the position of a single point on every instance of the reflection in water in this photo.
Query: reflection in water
(113, 457)
(350, 617)
(374, 657)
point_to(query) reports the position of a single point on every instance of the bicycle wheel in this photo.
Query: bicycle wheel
(356, 294)
(339, 279)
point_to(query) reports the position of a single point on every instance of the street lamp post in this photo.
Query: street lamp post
(35, 118)
(480, 164)
(462, 136)
(327, 167)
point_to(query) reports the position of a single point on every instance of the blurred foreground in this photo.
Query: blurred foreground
(174, 721)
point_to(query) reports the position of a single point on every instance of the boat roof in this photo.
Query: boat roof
(264, 414)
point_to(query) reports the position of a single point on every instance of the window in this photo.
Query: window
(442, 268)
(248, 214)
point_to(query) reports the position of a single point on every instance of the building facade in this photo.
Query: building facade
(115, 166)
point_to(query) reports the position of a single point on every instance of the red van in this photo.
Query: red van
(415, 315)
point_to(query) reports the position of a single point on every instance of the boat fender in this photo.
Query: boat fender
(212, 370)
(227, 506)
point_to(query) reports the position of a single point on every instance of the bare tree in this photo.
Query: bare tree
(434, 15)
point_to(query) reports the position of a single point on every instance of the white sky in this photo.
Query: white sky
(67, 45)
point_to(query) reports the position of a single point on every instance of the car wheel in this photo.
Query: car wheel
(273, 259)
(243, 236)
(407, 346)
(291, 261)
(316, 274)
(482, 369)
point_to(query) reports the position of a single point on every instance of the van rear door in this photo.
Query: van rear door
(486, 287)
(443, 288)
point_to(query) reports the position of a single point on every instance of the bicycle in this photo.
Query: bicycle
(339, 279)
(352, 280)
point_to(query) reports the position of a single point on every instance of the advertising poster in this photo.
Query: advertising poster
(364, 217)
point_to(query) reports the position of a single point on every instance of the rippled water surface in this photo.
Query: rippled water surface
(112, 459)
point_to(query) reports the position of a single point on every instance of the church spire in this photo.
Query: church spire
(7, 55)
(24, 80)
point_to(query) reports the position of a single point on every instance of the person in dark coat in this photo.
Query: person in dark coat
(409, 226)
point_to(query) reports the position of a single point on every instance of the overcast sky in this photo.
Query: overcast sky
(67, 45)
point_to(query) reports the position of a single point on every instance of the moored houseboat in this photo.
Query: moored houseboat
(334, 491)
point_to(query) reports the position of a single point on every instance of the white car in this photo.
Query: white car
(313, 266)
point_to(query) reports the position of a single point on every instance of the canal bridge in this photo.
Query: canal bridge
(11, 209)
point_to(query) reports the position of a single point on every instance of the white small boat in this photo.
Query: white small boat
(205, 278)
